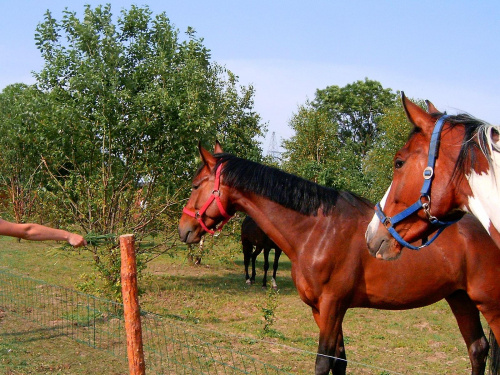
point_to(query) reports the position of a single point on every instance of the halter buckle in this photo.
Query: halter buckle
(387, 222)
(428, 173)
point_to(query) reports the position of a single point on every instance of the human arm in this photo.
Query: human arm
(36, 232)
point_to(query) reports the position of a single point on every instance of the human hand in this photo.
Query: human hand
(76, 240)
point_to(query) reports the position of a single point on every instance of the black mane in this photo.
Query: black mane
(288, 190)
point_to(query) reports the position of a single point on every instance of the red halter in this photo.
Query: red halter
(215, 196)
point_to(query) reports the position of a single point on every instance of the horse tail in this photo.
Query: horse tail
(494, 355)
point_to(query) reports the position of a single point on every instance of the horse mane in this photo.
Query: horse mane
(288, 190)
(478, 136)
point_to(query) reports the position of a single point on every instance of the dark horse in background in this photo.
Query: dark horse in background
(322, 231)
(252, 236)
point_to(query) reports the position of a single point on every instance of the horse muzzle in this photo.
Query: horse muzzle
(383, 245)
(188, 232)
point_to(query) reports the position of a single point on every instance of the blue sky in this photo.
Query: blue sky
(445, 51)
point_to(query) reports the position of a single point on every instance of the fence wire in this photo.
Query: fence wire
(170, 347)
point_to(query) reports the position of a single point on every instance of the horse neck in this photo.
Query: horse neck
(285, 227)
(483, 199)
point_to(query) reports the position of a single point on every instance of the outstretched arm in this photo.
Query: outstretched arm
(36, 232)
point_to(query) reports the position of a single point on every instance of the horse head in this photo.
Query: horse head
(423, 196)
(207, 206)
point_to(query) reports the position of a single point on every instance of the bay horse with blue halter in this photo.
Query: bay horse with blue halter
(449, 166)
(322, 231)
(254, 241)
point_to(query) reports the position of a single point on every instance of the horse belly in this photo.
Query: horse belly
(406, 293)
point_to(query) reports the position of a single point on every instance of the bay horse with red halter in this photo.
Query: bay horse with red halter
(322, 231)
(449, 166)
(254, 237)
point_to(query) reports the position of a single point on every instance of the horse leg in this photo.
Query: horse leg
(258, 250)
(340, 365)
(495, 355)
(331, 353)
(277, 254)
(492, 316)
(267, 250)
(247, 254)
(467, 316)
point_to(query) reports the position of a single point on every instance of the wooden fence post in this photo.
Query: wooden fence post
(131, 308)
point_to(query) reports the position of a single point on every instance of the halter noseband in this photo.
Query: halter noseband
(214, 196)
(424, 201)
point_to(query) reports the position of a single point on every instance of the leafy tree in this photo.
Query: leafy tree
(334, 133)
(313, 151)
(127, 104)
(355, 109)
(19, 159)
(378, 165)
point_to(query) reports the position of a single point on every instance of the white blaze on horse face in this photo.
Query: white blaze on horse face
(485, 200)
(373, 226)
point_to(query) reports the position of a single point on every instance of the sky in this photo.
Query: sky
(446, 51)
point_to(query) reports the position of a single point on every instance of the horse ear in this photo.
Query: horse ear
(206, 157)
(431, 109)
(218, 148)
(417, 116)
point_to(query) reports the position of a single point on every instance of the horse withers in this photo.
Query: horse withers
(254, 237)
(322, 231)
(449, 166)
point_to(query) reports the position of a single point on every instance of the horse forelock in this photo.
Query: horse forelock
(288, 190)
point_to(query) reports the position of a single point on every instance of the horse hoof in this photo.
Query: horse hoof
(249, 282)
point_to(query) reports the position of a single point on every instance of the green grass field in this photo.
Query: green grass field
(214, 297)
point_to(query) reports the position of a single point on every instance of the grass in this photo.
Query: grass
(214, 297)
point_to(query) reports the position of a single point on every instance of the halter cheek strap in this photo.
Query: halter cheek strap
(425, 197)
(214, 196)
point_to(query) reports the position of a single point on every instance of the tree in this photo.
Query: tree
(127, 104)
(19, 154)
(378, 165)
(355, 108)
(313, 151)
(334, 133)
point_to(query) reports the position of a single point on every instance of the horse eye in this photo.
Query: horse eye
(398, 163)
(195, 187)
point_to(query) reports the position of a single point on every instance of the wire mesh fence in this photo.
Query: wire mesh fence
(170, 346)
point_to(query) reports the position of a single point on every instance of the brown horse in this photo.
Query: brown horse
(461, 167)
(252, 236)
(322, 230)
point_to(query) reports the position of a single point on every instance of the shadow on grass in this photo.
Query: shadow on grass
(33, 334)
(231, 283)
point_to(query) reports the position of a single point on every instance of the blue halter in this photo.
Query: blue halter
(425, 198)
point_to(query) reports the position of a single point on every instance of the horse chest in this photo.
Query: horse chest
(310, 284)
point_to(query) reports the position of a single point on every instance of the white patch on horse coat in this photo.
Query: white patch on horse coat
(485, 200)
(375, 222)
